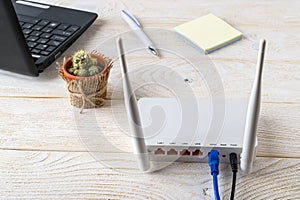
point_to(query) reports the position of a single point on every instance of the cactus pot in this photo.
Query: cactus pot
(90, 91)
(68, 64)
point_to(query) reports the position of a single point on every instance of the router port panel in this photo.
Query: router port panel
(189, 154)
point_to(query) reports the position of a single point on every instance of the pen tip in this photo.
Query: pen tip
(153, 51)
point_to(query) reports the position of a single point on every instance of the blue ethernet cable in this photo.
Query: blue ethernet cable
(213, 161)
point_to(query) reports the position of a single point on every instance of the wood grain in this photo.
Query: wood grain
(49, 151)
(236, 63)
(65, 175)
(52, 124)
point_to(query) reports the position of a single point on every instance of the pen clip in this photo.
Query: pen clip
(131, 17)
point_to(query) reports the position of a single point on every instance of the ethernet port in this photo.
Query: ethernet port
(159, 151)
(185, 152)
(172, 152)
(197, 152)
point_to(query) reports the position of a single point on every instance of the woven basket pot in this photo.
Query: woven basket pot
(87, 92)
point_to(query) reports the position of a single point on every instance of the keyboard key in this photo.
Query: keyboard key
(54, 43)
(43, 41)
(31, 44)
(53, 24)
(73, 29)
(50, 48)
(27, 26)
(43, 22)
(35, 51)
(36, 33)
(37, 28)
(46, 35)
(28, 19)
(26, 36)
(41, 46)
(32, 39)
(47, 30)
(27, 31)
(58, 38)
(44, 53)
(63, 27)
(21, 23)
(63, 33)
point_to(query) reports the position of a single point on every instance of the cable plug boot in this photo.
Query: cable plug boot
(213, 161)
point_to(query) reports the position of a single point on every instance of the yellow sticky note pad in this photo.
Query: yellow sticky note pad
(208, 32)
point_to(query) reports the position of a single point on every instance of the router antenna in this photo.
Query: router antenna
(249, 143)
(134, 119)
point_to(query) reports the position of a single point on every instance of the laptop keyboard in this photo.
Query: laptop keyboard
(44, 36)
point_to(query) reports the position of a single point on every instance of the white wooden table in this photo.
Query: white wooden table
(43, 155)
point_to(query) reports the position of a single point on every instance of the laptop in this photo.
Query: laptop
(34, 35)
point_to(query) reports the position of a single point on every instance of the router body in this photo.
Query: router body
(170, 130)
(187, 130)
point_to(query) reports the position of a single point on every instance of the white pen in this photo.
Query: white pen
(136, 27)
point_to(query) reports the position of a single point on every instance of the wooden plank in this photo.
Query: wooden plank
(39, 128)
(275, 20)
(52, 124)
(165, 78)
(234, 80)
(235, 63)
(37, 175)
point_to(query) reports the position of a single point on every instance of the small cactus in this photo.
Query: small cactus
(83, 64)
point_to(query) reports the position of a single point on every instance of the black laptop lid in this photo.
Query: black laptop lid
(15, 55)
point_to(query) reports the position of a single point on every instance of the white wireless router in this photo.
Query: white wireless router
(186, 129)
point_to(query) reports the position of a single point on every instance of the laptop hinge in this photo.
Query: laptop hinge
(26, 3)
